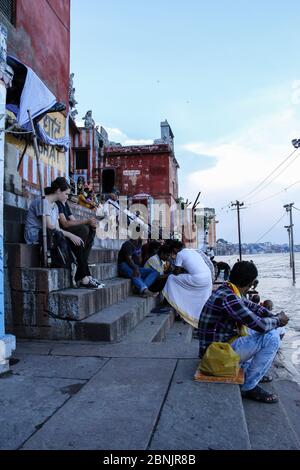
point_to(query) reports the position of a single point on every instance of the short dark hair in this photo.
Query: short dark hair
(255, 298)
(165, 250)
(153, 247)
(59, 183)
(174, 244)
(243, 273)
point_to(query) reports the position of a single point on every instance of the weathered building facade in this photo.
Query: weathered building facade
(39, 37)
(144, 169)
(86, 153)
(205, 218)
(36, 36)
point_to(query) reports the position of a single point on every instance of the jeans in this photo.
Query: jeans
(146, 279)
(257, 352)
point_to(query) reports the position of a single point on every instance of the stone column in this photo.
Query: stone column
(7, 342)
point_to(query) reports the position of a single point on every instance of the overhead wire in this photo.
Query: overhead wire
(255, 191)
(274, 195)
(272, 172)
(273, 179)
(270, 229)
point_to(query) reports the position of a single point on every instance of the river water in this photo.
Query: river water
(275, 283)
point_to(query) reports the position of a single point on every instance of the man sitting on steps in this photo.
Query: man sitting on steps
(85, 229)
(223, 319)
(129, 260)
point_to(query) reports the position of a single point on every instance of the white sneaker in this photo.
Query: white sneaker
(99, 284)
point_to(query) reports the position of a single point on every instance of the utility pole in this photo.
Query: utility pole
(289, 208)
(289, 234)
(238, 205)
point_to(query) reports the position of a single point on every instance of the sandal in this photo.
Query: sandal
(259, 394)
(266, 379)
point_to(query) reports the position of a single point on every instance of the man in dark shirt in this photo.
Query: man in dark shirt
(85, 229)
(221, 266)
(129, 266)
(222, 319)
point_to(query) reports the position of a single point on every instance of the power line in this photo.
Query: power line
(273, 179)
(270, 229)
(254, 190)
(272, 172)
(274, 195)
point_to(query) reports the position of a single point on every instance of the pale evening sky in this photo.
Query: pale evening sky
(225, 74)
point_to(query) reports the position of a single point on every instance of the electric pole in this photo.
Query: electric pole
(289, 234)
(289, 208)
(238, 205)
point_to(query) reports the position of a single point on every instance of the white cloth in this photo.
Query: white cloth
(35, 96)
(188, 293)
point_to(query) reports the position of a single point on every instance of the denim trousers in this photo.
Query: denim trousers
(257, 352)
(145, 280)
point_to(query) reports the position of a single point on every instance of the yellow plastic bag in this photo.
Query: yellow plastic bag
(220, 360)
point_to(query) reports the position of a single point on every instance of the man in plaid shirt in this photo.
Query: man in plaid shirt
(222, 317)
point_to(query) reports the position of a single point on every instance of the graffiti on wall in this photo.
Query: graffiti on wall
(53, 160)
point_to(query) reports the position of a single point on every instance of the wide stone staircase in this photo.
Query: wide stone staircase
(42, 304)
(144, 378)
(138, 393)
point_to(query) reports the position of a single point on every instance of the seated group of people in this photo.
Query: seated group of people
(148, 265)
(185, 277)
(79, 234)
(225, 315)
(84, 194)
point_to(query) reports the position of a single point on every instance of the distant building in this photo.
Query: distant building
(206, 227)
(143, 169)
(87, 153)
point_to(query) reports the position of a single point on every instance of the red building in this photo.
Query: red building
(39, 37)
(143, 170)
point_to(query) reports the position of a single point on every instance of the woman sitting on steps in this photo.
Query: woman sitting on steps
(59, 191)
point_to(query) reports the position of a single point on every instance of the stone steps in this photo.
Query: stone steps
(44, 305)
(116, 409)
(114, 322)
(20, 255)
(77, 304)
(49, 280)
(101, 255)
(180, 332)
(200, 416)
(275, 426)
(153, 328)
(290, 398)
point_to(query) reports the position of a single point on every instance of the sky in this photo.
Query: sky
(224, 73)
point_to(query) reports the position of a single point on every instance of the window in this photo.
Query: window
(108, 180)
(8, 9)
(81, 159)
